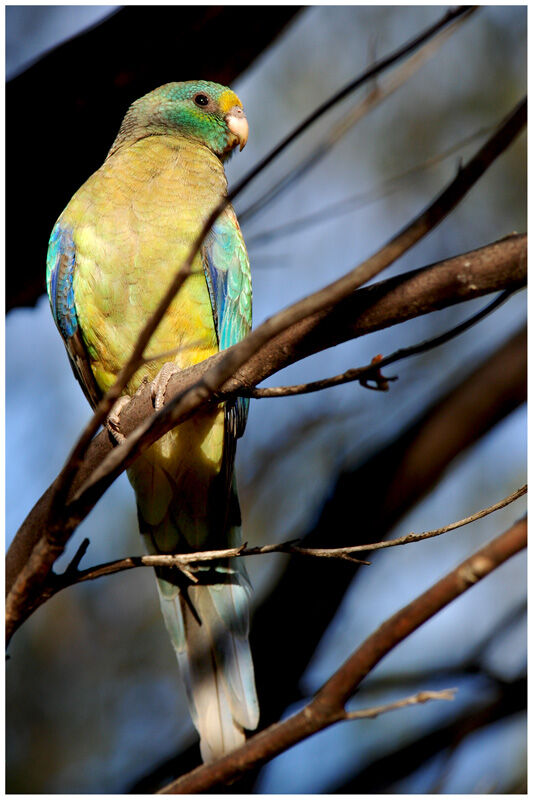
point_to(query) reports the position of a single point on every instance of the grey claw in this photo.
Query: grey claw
(113, 420)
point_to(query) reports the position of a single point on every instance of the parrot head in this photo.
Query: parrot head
(207, 112)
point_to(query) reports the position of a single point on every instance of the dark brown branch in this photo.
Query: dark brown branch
(496, 267)
(328, 705)
(372, 371)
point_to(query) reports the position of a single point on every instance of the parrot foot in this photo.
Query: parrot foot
(113, 420)
(160, 383)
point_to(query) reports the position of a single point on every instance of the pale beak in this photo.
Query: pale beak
(238, 124)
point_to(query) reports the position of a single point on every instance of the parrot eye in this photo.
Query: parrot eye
(201, 100)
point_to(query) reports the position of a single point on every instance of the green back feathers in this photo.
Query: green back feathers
(199, 110)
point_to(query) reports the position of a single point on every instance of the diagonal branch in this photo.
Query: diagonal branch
(328, 705)
(495, 267)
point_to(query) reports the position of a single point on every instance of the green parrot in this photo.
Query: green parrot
(112, 253)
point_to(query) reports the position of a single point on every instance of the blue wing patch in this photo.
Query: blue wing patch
(227, 271)
(60, 262)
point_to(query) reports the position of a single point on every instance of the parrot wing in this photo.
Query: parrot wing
(60, 265)
(228, 276)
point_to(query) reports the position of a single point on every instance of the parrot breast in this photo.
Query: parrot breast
(135, 222)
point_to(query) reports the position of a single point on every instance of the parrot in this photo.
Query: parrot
(112, 253)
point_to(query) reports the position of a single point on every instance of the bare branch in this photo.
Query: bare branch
(372, 371)
(328, 705)
(186, 562)
(414, 699)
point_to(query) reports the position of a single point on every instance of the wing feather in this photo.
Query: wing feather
(60, 266)
(228, 276)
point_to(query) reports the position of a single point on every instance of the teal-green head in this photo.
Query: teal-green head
(201, 110)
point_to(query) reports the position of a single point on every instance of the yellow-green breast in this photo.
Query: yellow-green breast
(135, 221)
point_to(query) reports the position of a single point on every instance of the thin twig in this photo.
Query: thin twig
(418, 537)
(186, 562)
(372, 371)
(412, 700)
(346, 552)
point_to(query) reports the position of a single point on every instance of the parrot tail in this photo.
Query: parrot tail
(208, 626)
(182, 509)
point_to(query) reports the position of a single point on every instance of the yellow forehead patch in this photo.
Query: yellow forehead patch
(227, 100)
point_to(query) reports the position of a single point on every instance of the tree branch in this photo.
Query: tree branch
(414, 699)
(328, 705)
(187, 562)
(499, 266)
